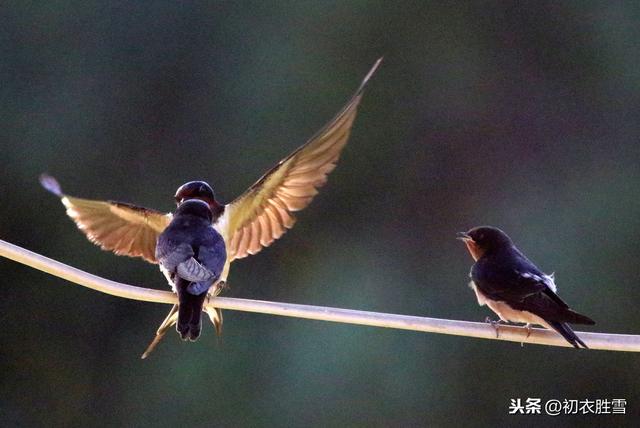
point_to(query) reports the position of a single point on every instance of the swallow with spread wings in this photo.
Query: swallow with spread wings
(252, 221)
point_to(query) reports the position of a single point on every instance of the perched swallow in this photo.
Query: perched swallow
(254, 220)
(191, 254)
(514, 288)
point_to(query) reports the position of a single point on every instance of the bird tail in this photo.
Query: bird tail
(215, 314)
(166, 325)
(189, 311)
(576, 318)
(569, 335)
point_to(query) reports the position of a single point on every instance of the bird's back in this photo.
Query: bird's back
(189, 234)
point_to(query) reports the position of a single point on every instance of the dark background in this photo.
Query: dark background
(522, 115)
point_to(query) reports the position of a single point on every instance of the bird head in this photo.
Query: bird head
(199, 190)
(482, 239)
(194, 190)
(195, 207)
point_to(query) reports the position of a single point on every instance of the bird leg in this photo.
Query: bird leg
(495, 325)
(527, 327)
(222, 286)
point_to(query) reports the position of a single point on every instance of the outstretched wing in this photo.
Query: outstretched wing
(123, 228)
(265, 211)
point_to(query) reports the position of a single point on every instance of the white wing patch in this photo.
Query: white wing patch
(551, 282)
(548, 280)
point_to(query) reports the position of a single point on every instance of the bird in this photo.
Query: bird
(191, 254)
(250, 222)
(513, 287)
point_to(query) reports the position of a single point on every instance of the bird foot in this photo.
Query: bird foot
(218, 288)
(527, 327)
(495, 324)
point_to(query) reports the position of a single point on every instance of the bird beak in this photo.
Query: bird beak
(464, 236)
(475, 251)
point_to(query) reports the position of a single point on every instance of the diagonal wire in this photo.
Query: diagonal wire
(602, 341)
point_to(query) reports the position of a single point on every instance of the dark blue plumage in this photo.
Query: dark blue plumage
(192, 255)
(513, 287)
(506, 274)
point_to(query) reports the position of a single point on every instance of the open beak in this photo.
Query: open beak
(464, 236)
(475, 251)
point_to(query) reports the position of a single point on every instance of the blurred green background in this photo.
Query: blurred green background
(522, 115)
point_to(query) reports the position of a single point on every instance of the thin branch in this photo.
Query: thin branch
(603, 341)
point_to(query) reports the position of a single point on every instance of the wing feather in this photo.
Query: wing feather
(256, 230)
(265, 211)
(266, 237)
(123, 228)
